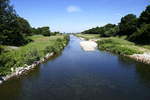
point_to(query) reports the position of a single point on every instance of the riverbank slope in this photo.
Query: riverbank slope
(16, 62)
(121, 46)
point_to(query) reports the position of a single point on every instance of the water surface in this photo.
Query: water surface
(80, 75)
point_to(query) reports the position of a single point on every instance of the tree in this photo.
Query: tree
(46, 31)
(9, 26)
(42, 31)
(128, 25)
(96, 30)
(7, 17)
(24, 26)
(142, 35)
(55, 33)
(145, 16)
(110, 30)
(105, 31)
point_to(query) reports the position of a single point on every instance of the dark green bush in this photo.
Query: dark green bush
(6, 62)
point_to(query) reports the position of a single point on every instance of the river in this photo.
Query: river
(80, 75)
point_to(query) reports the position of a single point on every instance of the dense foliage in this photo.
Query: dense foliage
(12, 27)
(42, 31)
(24, 26)
(142, 34)
(45, 31)
(105, 31)
(15, 29)
(136, 29)
(128, 25)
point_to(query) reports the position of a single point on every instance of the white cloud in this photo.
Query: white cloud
(72, 9)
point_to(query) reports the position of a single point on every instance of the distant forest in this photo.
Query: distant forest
(135, 29)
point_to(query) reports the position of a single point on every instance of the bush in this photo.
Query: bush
(48, 49)
(31, 56)
(6, 62)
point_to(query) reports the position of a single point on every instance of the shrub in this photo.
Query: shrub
(6, 62)
(31, 56)
(48, 49)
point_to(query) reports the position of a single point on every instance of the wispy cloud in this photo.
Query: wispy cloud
(72, 9)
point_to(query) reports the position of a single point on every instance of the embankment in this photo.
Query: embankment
(122, 47)
(18, 62)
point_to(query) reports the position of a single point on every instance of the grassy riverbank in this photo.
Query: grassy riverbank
(117, 45)
(31, 52)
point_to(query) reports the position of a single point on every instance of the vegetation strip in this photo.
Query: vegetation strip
(21, 70)
(30, 55)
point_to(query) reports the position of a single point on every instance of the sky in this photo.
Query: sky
(76, 15)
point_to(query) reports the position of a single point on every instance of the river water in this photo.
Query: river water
(80, 75)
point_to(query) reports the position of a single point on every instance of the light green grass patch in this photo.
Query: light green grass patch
(119, 46)
(88, 36)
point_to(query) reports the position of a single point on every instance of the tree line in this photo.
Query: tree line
(137, 29)
(14, 30)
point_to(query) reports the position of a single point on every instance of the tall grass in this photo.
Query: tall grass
(31, 52)
(119, 46)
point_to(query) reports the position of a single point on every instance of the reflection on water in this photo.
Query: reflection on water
(143, 74)
(79, 75)
(142, 70)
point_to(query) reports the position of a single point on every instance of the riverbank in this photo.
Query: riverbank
(16, 62)
(22, 70)
(122, 47)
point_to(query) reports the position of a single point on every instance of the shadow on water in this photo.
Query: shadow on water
(79, 75)
(142, 70)
(144, 74)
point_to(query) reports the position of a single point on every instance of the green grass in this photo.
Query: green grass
(31, 52)
(119, 46)
(88, 36)
(4, 49)
(147, 47)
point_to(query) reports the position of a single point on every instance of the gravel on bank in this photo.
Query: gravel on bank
(88, 45)
(21, 70)
(145, 58)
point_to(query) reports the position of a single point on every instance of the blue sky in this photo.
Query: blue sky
(76, 15)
